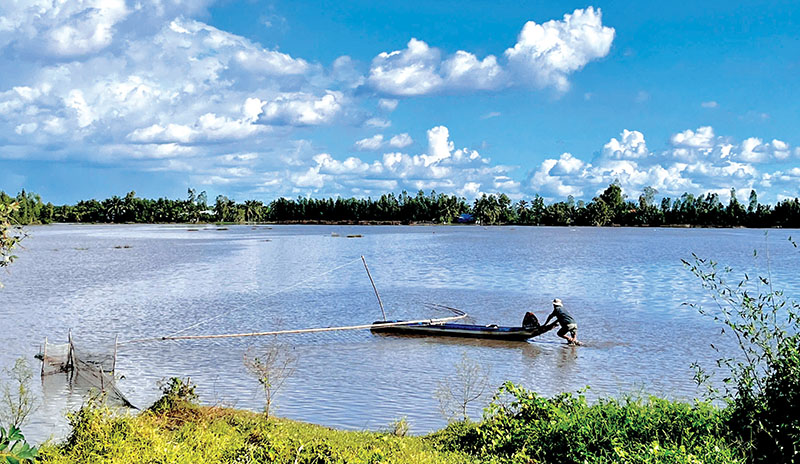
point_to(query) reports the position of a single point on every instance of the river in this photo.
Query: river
(626, 287)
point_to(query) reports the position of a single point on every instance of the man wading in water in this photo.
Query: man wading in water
(568, 324)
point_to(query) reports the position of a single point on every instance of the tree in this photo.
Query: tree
(598, 213)
(612, 196)
(271, 366)
(470, 383)
(10, 234)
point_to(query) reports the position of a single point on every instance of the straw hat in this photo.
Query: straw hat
(557, 302)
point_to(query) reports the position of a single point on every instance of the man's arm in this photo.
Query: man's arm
(552, 315)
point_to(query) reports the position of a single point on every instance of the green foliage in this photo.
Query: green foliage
(762, 383)
(177, 393)
(271, 366)
(214, 434)
(608, 208)
(13, 447)
(10, 233)
(17, 400)
(522, 427)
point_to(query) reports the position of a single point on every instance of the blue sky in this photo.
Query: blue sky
(265, 99)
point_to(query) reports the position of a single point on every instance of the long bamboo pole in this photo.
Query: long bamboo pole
(459, 315)
(374, 287)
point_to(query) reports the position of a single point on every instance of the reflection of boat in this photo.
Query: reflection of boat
(461, 330)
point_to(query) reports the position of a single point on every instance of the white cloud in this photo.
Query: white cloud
(377, 122)
(702, 138)
(60, 29)
(443, 167)
(347, 71)
(376, 142)
(630, 146)
(387, 104)
(463, 70)
(695, 161)
(491, 114)
(401, 140)
(544, 56)
(370, 143)
(303, 109)
(412, 71)
(110, 80)
(709, 104)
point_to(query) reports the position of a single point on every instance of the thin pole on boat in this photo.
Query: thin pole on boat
(374, 287)
(44, 355)
(114, 362)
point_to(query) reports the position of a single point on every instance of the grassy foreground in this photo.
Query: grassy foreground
(211, 434)
(518, 427)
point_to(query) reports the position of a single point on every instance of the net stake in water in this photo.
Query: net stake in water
(374, 287)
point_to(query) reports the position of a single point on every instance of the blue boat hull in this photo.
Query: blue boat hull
(461, 330)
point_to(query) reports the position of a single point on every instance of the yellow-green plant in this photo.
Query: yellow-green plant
(17, 400)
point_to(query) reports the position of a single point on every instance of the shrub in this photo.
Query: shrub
(521, 426)
(176, 394)
(762, 383)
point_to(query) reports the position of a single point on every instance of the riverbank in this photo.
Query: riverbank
(519, 426)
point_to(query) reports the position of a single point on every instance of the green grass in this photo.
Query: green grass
(519, 427)
(198, 434)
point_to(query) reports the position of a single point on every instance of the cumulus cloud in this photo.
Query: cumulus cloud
(401, 140)
(544, 56)
(412, 71)
(60, 29)
(76, 29)
(387, 104)
(187, 83)
(549, 52)
(110, 80)
(376, 142)
(463, 70)
(695, 161)
(370, 143)
(380, 123)
(630, 145)
(302, 109)
(442, 167)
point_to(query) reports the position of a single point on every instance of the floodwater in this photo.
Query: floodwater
(626, 287)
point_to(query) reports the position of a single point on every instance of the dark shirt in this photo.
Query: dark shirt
(564, 318)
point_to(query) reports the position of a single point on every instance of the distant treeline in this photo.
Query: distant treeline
(609, 208)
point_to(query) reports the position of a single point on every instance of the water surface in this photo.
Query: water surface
(626, 288)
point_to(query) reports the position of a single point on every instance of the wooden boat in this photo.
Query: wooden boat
(449, 329)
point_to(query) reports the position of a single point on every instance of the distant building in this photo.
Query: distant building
(465, 218)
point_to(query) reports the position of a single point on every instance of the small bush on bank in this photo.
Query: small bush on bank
(522, 427)
(182, 432)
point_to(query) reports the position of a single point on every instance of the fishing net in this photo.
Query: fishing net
(88, 371)
(55, 358)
